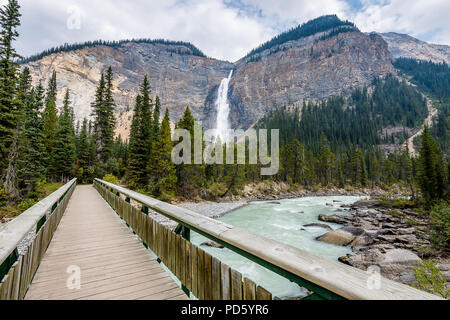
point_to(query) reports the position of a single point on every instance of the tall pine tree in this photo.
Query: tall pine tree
(10, 105)
(63, 153)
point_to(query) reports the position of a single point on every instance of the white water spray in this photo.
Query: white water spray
(223, 109)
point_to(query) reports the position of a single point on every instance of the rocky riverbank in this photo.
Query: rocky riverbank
(393, 240)
(265, 191)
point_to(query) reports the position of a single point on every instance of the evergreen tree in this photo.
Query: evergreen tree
(162, 170)
(83, 153)
(9, 104)
(147, 120)
(63, 152)
(104, 119)
(190, 176)
(137, 149)
(156, 116)
(50, 117)
(32, 150)
(431, 168)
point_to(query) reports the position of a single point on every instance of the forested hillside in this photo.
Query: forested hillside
(322, 24)
(355, 121)
(434, 80)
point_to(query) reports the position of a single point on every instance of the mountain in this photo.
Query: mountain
(405, 46)
(316, 60)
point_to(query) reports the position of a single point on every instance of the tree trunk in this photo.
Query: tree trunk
(9, 183)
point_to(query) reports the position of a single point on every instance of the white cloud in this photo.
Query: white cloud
(425, 19)
(224, 29)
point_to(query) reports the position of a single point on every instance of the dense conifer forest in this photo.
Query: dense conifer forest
(190, 48)
(322, 24)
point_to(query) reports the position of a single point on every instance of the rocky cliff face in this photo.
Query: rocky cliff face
(306, 69)
(179, 80)
(309, 68)
(405, 46)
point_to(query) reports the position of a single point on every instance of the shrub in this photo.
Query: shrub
(430, 279)
(440, 226)
(111, 179)
(26, 204)
(3, 197)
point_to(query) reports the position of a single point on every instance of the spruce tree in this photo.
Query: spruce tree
(137, 148)
(190, 176)
(50, 116)
(162, 170)
(83, 153)
(156, 120)
(147, 120)
(63, 152)
(32, 150)
(9, 104)
(431, 169)
(107, 120)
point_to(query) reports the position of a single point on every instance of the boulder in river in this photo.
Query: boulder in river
(274, 202)
(348, 236)
(395, 264)
(333, 219)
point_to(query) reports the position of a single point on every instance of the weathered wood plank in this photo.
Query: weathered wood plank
(183, 261)
(188, 265)
(236, 285)
(216, 279)
(262, 294)
(249, 290)
(225, 282)
(194, 270)
(201, 274)
(208, 277)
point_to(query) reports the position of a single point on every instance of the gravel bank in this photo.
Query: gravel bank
(207, 208)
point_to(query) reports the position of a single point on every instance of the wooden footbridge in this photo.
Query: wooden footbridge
(98, 242)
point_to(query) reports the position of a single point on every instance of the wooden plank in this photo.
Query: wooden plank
(208, 277)
(249, 290)
(262, 294)
(188, 265)
(182, 261)
(17, 276)
(178, 256)
(225, 282)
(201, 274)
(236, 285)
(5, 287)
(216, 279)
(194, 270)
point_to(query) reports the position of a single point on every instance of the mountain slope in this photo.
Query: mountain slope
(321, 58)
(405, 46)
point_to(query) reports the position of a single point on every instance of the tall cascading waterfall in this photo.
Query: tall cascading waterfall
(223, 110)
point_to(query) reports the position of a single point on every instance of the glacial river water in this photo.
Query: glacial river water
(282, 222)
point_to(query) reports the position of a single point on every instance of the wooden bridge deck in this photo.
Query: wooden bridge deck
(113, 263)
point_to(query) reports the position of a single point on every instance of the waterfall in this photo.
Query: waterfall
(223, 109)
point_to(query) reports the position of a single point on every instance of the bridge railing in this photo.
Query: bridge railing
(32, 231)
(208, 278)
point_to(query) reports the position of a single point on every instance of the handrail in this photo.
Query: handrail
(315, 271)
(12, 234)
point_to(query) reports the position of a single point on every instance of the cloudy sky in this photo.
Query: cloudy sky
(224, 29)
